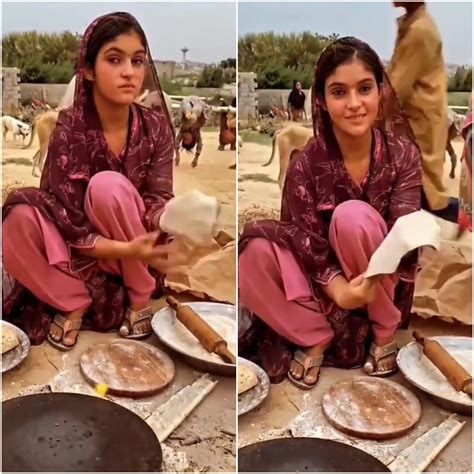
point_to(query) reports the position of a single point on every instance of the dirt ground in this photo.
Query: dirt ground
(206, 440)
(289, 411)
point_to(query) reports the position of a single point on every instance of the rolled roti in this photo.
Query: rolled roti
(247, 379)
(9, 340)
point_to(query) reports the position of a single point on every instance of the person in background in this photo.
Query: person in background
(296, 101)
(418, 75)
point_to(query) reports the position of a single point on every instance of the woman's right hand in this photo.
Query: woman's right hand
(360, 291)
(144, 247)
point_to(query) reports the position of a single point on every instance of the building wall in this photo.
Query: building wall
(10, 90)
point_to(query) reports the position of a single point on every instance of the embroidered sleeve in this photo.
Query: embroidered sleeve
(158, 188)
(406, 198)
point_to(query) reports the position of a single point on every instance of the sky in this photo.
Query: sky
(373, 22)
(207, 29)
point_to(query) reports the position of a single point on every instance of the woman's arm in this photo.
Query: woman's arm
(405, 199)
(158, 189)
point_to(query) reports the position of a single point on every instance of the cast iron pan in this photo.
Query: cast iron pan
(75, 433)
(306, 455)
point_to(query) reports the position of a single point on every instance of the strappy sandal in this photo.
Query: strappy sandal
(308, 363)
(66, 325)
(379, 353)
(133, 318)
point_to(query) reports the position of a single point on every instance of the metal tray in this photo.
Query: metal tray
(15, 357)
(419, 371)
(256, 395)
(164, 320)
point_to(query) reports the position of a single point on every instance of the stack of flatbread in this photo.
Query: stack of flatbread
(9, 340)
(247, 379)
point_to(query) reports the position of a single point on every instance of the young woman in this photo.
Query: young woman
(296, 100)
(303, 277)
(85, 242)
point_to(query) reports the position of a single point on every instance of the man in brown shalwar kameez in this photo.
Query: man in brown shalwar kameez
(417, 73)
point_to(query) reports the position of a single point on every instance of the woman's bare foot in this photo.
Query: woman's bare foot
(297, 370)
(68, 339)
(140, 324)
(382, 358)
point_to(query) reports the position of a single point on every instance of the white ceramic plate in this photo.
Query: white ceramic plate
(255, 396)
(421, 372)
(16, 356)
(174, 335)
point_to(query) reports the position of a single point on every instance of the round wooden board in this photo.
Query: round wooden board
(371, 408)
(129, 368)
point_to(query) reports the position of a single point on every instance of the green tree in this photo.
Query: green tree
(211, 76)
(42, 57)
(280, 59)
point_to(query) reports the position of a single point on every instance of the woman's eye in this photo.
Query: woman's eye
(139, 61)
(113, 60)
(337, 92)
(365, 89)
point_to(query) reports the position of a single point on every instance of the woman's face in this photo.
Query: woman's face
(298, 86)
(352, 98)
(119, 70)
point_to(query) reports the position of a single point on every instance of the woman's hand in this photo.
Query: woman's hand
(357, 293)
(144, 247)
(360, 292)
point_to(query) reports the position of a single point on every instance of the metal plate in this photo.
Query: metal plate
(164, 322)
(254, 397)
(16, 356)
(70, 432)
(419, 370)
(306, 455)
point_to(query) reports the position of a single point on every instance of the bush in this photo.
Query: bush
(42, 57)
(211, 76)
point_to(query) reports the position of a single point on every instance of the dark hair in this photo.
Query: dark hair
(108, 30)
(343, 51)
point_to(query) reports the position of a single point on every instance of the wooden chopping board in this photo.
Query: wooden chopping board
(129, 368)
(371, 408)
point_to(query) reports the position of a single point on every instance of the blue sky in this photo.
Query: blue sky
(207, 29)
(373, 22)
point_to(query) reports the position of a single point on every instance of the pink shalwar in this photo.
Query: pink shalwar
(36, 255)
(273, 287)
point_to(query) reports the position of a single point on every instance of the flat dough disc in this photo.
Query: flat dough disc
(128, 368)
(247, 379)
(9, 339)
(371, 408)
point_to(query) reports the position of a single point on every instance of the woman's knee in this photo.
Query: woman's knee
(22, 218)
(107, 189)
(353, 218)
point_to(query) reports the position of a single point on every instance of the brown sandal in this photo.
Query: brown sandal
(379, 353)
(134, 317)
(66, 325)
(308, 363)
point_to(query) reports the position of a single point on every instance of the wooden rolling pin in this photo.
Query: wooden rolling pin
(206, 335)
(456, 374)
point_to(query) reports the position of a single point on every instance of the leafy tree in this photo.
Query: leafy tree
(280, 59)
(42, 57)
